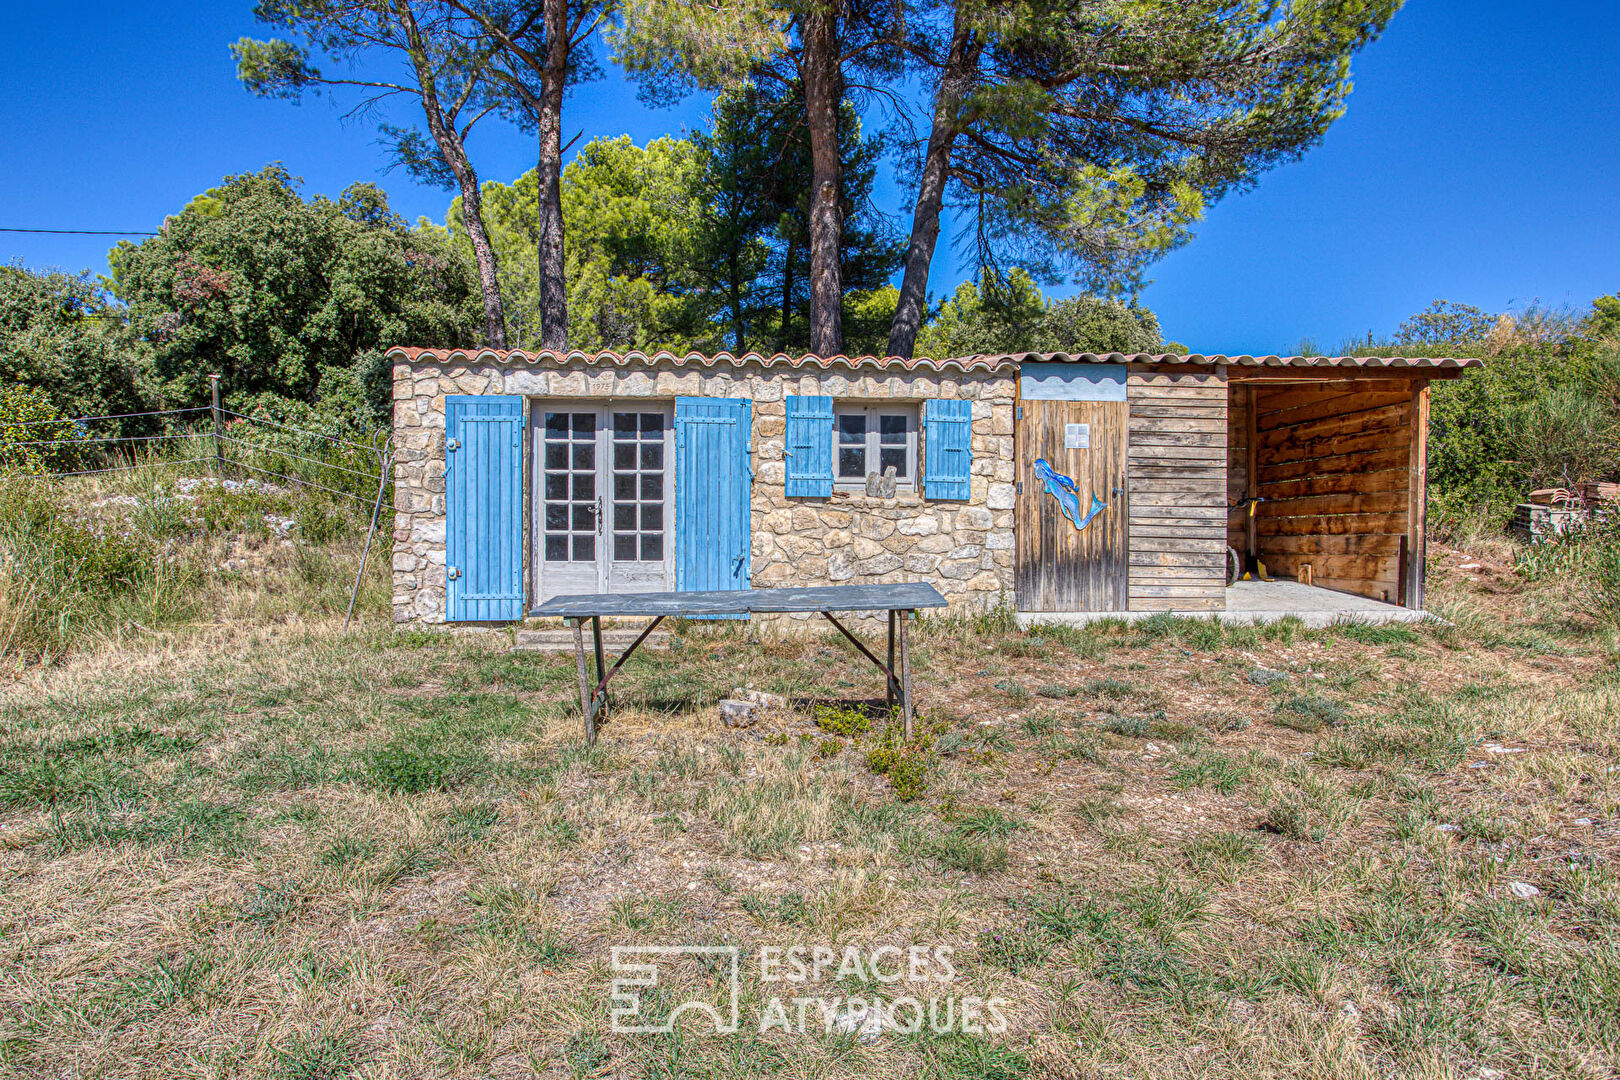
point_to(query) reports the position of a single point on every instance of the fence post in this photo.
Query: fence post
(376, 509)
(219, 445)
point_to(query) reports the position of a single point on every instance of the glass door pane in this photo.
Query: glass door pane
(571, 502)
(639, 485)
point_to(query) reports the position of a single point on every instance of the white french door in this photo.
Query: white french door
(603, 499)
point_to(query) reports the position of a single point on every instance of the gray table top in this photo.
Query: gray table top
(903, 596)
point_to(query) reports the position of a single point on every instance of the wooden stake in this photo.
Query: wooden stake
(888, 687)
(382, 485)
(905, 674)
(219, 445)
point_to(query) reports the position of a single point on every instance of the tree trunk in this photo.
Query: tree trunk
(738, 333)
(783, 330)
(489, 280)
(953, 87)
(449, 141)
(553, 283)
(823, 93)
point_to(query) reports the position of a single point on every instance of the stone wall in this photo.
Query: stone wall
(963, 547)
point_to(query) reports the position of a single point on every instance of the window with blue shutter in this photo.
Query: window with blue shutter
(948, 430)
(712, 486)
(808, 453)
(483, 507)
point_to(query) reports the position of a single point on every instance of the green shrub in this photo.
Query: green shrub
(907, 765)
(34, 436)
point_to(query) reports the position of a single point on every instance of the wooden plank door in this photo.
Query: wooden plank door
(1062, 567)
(483, 506)
(713, 479)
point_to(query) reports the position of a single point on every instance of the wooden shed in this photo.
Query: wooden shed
(1153, 482)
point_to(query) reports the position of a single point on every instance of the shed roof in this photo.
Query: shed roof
(983, 362)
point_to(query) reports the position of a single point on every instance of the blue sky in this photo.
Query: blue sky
(1479, 162)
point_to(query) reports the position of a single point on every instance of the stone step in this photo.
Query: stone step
(614, 641)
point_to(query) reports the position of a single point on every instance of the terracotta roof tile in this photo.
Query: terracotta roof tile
(984, 362)
(504, 356)
(1231, 361)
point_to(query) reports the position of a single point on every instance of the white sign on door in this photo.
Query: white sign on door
(1076, 436)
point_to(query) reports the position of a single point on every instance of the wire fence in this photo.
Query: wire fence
(242, 444)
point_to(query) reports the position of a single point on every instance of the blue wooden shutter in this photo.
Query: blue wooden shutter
(948, 429)
(809, 447)
(712, 484)
(483, 507)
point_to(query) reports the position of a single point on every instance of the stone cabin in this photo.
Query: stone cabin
(1056, 485)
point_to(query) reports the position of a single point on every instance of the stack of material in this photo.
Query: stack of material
(1535, 522)
(1553, 512)
(1598, 494)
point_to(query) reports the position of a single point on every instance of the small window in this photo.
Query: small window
(871, 439)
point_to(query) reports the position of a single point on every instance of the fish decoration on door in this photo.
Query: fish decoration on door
(1063, 489)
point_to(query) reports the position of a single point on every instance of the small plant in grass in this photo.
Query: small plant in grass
(719, 880)
(325, 1056)
(1220, 851)
(906, 765)
(586, 1054)
(1014, 948)
(470, 824)
(1292, 818)
(267, 904)
(973, 1057)
(1309, 712)
(1212, 770)
(1085, 746)
(1097, 809)
(987, 821)
(419, 761)
(841, 720)
(968, 854)
(789, 909)
(1486, 828)
(1015, 691)
(345, 850)
(1263, 676)
(1135, 727)
(826, 748)
(1040, 724)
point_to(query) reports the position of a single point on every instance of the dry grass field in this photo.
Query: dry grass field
(253, 846)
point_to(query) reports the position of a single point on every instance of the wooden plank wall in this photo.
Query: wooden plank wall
(1334, 470)
(1177, 460)
(1237, 464)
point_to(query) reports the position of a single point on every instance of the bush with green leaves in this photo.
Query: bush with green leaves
(290, 297)
(62, 341)
(1543, 411)
(1010, 314)
(34, 436)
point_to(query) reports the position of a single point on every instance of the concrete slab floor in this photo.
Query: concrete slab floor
(1249, 602)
